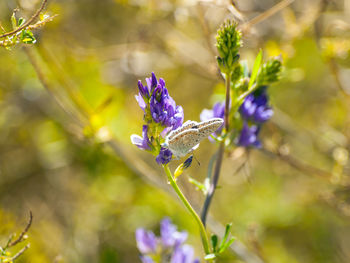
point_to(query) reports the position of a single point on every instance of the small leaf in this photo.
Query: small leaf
(21, 21)
(214, 242)
(227, 233)
(245, 67)
(255, 69)
(27, 37)
(210, 256)
(226, 245)
(14, 20)
(199, 185)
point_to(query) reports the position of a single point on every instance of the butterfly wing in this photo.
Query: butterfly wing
(182, 140)
(210, 126)
(182, 143)
(187, 125)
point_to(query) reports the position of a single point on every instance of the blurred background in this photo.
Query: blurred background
(67, 110)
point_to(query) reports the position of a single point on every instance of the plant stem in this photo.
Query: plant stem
(220, 154)
(227, 100)
(203, 232)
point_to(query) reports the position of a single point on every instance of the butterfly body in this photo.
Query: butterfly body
(186, 138)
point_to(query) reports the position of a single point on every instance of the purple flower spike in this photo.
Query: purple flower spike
(151, 82)
(183, 254)
(144, 92)
(255, 107)
(248, 107)
(146, 241)
(169, 234)
(249, 136)
(164, 156)
(142, 142)
(163, 108)
(140, 101)
(262, 114)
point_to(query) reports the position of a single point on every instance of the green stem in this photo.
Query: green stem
(189, 208)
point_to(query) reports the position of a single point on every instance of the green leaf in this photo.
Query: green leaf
(255, 69)
(227, 233)
(21, 21)
(214, 242)
(199, 185)
(210, 256)
(245, 67)
(226, 245)
(14, 21)
(27, 37)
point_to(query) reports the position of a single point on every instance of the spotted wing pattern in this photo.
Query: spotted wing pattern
(187, 125)
(182, 143)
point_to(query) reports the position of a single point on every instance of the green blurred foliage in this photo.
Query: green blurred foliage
(289, 203)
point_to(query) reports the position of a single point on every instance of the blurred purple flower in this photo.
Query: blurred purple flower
(146, 259)
(164, 156)
(169, 234)
(249, 136)
(169, 245)
(146, 241)
(183, 254)
(218, 111)
(255, 107)
(141, 142)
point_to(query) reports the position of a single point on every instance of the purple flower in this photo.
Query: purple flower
(218, 111)
(140, 101)
(146, 259)
(183, 254)
(168, 246)
(163, 108)
(146, 241)
(249, 136)
(143, 90)
(262, 114)
(169, 234)
(255, 107)
(164, 156)
(160, 113)
(142, 142)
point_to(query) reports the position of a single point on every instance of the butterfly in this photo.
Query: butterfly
(186, 138)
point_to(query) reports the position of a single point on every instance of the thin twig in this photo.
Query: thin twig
(37, 13)
(205, 28)
(20, 252)
(268, 13)
(213, 184)
(44, 81)
(21, 236)
(335, 73)
(220, 155)
(297, 164)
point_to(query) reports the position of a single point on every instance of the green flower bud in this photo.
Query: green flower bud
(270, 71)
(228, 42)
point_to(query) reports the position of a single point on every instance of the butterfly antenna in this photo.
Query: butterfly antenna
(199, 164)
